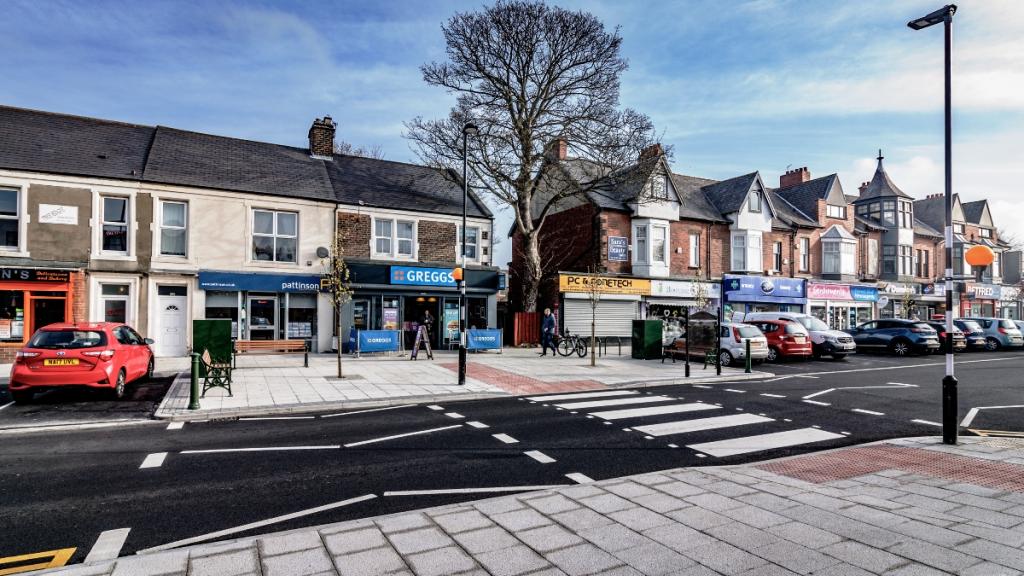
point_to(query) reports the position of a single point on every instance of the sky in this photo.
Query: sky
(733, 86)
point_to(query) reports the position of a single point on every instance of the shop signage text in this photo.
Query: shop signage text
(56, 214)
(412, 276)
(237, 282)
(842, 292)
(678, 289)
(34, 275)
(763, 289)
(983, 291)
(605, 284)
(618, 249)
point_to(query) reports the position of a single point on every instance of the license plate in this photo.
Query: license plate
(61, 362)
(799, 339)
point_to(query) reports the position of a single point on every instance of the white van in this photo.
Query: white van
(826, 341)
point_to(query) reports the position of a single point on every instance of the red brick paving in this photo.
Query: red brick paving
(518, 384)
(853, 462)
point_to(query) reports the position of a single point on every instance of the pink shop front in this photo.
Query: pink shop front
(841, 305)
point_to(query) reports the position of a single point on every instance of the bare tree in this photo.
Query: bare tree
(594, 296)
(339, 284)
(529, 75)
(350, 149)
(1011, 238)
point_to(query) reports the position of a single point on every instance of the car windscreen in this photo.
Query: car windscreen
(812, 323)
(792, 328)
(749, 331)
(923, 326)
(68, 339)
(1008, 324)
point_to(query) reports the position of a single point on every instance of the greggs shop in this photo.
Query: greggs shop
(31, 298)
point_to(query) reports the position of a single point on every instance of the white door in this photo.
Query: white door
(172, 326)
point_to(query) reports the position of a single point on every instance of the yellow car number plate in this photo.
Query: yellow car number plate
(61, 362)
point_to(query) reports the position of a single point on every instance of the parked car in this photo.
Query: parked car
(97, 355)
(1020, 325)
(973, 332)
(900, 337)
(1000, 333)
(959, 338)
(734, 347)
(786, 339)
(824, 340)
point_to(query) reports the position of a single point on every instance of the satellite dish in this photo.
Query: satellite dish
(322, 252)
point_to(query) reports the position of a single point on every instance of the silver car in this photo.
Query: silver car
(826, 341)
(1000, 333)
(734, 343)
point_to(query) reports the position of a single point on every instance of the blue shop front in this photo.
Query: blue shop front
(267, 306)
(745, 294)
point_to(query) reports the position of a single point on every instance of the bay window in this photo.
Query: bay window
(640, 249)
(659, 236)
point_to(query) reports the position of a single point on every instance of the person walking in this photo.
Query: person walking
(547, 333)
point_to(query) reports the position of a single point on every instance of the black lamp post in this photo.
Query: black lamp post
(950, 423)
(469, 129)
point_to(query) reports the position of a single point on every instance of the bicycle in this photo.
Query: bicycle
(570, 343)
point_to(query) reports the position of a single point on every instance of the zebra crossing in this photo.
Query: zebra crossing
(662, 416)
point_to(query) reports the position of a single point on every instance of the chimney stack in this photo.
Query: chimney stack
(652, 151)
(794, 177)
(321, 137)
(557, 149)
(863, 187)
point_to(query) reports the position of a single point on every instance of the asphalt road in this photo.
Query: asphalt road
(63, 489)
(77, 406)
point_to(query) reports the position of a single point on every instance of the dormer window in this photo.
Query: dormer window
(958, 228)
(659, 187)
(755, 202)
(985, 232)
(836, 212)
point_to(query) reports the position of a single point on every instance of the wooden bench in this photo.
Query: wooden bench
(218, 374)
(272, 347)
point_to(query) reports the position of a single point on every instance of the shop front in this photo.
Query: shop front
(841, 306)
(265, 306)
(611, 302)
(1010, 302)
(670, 300)
(392, 297)
(897, 300)
(743, 294)
(980, 300)
(31, 298)
(931, 301)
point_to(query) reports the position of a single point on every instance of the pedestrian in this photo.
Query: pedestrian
(428, 322)
(547, 333)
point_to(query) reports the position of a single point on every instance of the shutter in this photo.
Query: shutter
(614, 317)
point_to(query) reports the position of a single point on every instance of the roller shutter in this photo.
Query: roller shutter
(614, 317)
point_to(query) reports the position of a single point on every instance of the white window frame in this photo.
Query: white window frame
(394, 240)
(805, 254)
(958, 228)
(777, 256)
(22, 218)
(641, 244)
(760, 203)
(97, 281)
(833, 211)
(128, 216)
(738, 259)
(458, 242)
(274, 234)
(694, 250)
(845, 253)
(162, 226)
(663, 230)
(985, 232)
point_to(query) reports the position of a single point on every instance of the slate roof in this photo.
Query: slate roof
(881, 186)
(805, 196)
(931, 211)
(922, 229)
(973, 210)
(695, 204)
(36, 141)
(728, 195)
(862, 224)
(789, 215)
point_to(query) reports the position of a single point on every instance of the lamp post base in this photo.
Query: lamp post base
(950, 424)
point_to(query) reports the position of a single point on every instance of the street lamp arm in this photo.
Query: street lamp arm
(934, 18)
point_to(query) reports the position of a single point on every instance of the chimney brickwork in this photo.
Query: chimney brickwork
(794, 177)
(321, 137)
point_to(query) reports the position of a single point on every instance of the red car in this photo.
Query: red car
(98, 355)
(786, 339)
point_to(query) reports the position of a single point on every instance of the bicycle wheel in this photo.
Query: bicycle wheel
(566, 345)
(581, 348)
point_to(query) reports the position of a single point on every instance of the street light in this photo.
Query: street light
(468, 129)
(949, 400)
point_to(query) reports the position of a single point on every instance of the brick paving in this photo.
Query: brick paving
(518, 384)
(904, 507)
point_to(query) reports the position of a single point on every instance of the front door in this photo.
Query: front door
(262, 318)
(46, 311)
(171, 326)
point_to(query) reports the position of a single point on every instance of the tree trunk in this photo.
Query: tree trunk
(338, 331)
(531, 272)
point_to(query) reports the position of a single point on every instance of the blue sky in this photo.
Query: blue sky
(733, 86)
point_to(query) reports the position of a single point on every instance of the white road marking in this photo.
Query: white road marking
(654, 411)
(685, 426)
(974, 411)
(648, 437)
(889, 385)
(175, 425)
(871, 412)
(260, 524)
(540, 456)
(816, 403)
(6, 405)
(583, 395)
(476, 424)
(805, 376)
(278, 418)
(506, 438)
(154, 460)
(701, 386)
(809, 396)
(928, 422)
(579, 478)
(262, 449)
(365, 411)
(627, 429)
(620, 402)
(701, 455)
(406, 435)
(455, 415)
(673, 446)
(108, 545)
(876, 369)
(773, 395)
(763, 442)
(435, 407)
(735, 390)
(472, 490)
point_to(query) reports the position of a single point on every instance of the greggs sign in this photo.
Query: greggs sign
(605, 284)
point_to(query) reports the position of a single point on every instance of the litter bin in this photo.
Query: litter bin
(647, 339)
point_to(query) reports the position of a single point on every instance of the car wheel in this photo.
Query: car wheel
(838, 356)
(725, 358)
(22, 396)
(991, 344)
(119, 386)
(773, 354)
(150, 368)
(900, 348)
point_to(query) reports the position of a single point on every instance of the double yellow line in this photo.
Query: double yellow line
(49, 559)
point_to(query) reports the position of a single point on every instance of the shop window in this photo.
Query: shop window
(275, 236)
(10, 220)
(114, 299)
(476, 313)
(223, 306)
(301, 316)
(12, 315)
(115, 225)
(472, 242)
(694, 250)
(173, 229)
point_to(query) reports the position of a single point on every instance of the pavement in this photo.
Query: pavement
(281, 385)
(902, 507)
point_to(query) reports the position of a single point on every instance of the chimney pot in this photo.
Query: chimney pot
(321, 137)
(652, 151)
(794, 177)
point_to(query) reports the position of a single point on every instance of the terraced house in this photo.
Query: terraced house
(155, 226)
